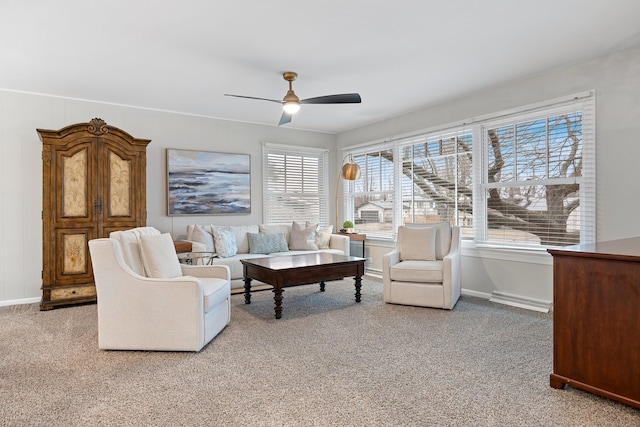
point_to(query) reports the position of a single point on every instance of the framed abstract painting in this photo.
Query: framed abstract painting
(208, 183)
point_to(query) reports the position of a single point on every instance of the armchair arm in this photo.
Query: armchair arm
(340, 242)
(204, 271)
(388, 260)
(451, 273)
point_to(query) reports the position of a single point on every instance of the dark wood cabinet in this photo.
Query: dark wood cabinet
(94, 182)
(596, 319)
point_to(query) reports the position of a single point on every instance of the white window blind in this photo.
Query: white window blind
(295, 184)
(437, 179)
(539, 181)
(518, 179)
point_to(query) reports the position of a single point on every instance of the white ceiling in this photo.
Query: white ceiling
(400, 55)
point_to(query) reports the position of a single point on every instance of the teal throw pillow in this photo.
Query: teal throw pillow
(267, 243)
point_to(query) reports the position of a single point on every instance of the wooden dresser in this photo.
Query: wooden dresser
(596, 319)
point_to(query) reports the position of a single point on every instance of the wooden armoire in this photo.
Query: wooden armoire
(94, 182)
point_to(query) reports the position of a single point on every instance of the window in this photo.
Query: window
(295, 186)
(524, 179)
(371, 197)
(437, 171)
(533, 178)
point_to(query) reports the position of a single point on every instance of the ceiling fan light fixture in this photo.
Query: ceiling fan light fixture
(291, 107)
(291, 102)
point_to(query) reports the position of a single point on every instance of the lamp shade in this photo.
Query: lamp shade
(351, 171)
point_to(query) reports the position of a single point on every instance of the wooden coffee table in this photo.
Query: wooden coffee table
(293, 270)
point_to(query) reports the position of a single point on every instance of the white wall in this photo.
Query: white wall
(21, 170)
(616, 79)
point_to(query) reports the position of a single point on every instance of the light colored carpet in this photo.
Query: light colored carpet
(327, 362)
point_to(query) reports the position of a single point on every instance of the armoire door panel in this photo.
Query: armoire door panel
(75, 183)
(73, 265)
(122, 200)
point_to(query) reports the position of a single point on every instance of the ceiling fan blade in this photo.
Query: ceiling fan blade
(343, 98)
(253, 97)
(284, 119)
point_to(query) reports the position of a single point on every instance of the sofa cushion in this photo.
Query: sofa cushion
(159, 256)
(417, 271)
(234, 264)
(417, 243)
(266, 243)
(302, 238)
(224, 241)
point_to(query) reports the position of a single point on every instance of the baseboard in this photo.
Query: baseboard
(521, 302)
(476, 294)
(19, 301)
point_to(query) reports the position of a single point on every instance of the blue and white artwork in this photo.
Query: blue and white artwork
(208, 183)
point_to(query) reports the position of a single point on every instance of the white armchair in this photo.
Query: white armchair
(424, 268)
(148, 301)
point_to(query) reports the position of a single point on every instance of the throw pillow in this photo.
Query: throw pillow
(199, 234)
(443, 236)
(159, 256)
(276, 228)
(267, 243)
(417, 243)
(323, 235)
(302, 239)
(224, 241)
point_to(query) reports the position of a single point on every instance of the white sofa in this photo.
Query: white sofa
(201, 237)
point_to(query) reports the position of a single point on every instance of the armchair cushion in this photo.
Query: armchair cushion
(130, 246)
(417, 271)
(159, 256)
(417, 243)
(225, 241)
(443, 236)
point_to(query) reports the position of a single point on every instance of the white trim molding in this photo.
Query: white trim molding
(521, 302)
(20, 301)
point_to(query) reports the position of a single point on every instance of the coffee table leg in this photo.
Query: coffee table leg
(322, 286)
(358, 280)
(277, 297)
(247, 290)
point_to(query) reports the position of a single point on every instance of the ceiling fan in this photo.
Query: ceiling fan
(291, 102)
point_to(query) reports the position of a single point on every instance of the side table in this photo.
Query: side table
(182, 246)
(356, 237)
